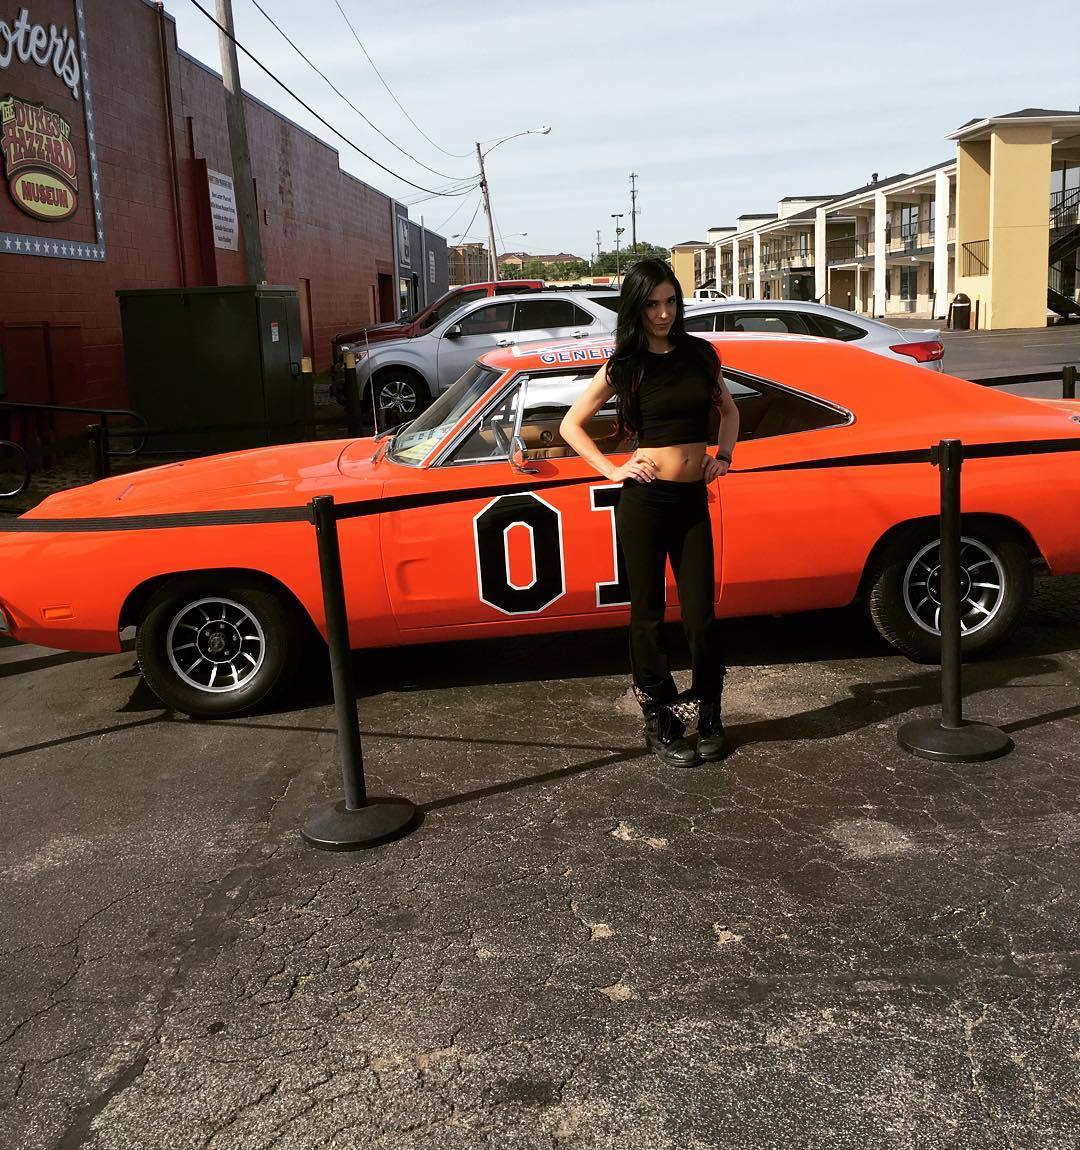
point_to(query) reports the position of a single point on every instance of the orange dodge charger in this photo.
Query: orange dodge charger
(477, 520)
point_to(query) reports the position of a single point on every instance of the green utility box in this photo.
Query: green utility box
(216, 368)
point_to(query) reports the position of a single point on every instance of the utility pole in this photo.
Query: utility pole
(598, 246)
(616, 216)
(633, 212)
(487, 211)
(243, 184)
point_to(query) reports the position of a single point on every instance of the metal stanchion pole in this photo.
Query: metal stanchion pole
(1068, 381)
(359, 821)
(352, 396)
(952, 738)
(307, 385)
(99, 451)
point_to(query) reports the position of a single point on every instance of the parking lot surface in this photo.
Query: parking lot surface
(819, 942)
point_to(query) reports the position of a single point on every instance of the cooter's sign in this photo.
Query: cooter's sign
(39, 159)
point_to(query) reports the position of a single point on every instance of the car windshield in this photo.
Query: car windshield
(415, 443)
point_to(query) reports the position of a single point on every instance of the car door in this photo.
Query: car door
(532, 550)
(470, 334)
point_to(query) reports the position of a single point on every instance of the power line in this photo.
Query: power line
(461, 204)
(465, 233)
(456, 155)
(307, 107)
(315, 68)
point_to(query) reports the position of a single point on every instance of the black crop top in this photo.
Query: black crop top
(676, 399)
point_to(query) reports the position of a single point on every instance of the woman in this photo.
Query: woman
(667, 385)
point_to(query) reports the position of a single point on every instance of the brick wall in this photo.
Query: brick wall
(317, 222)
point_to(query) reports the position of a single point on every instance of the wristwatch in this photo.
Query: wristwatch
(724, 456)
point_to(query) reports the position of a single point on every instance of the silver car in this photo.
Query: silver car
(922, 346)
(402, 376)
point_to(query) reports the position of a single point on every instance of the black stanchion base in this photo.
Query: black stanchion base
(968, 743)
(333, 827)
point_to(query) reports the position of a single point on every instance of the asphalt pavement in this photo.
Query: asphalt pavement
(820, 942)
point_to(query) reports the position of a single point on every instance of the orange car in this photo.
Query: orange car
(476, 520)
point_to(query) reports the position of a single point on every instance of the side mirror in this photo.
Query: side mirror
(453, 332)
(517, 457)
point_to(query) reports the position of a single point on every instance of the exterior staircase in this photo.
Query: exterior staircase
(1064, 241)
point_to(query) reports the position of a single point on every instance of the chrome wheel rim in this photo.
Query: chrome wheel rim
(397, 397)
(215, 645)
(982, 586)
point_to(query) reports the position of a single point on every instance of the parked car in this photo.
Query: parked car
(477, 520)
(406, 374)
(429, 316)
(923, 346)
(710, 293)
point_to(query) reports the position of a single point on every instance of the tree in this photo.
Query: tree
(604, 264)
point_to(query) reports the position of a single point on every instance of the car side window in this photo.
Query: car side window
(699, 322)
(767, 410)
(490, 320)
(451, 305)
(491, 435)
(582, 317)
(783, 322)
(543, 313)
(832, 328)
(547, 399)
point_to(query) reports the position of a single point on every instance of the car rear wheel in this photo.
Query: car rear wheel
(399, 395)
(211, 646)
(904, 589)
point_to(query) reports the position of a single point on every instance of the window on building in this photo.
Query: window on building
(909, 221)
(909, 282)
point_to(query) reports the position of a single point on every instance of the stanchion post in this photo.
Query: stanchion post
(307, 385)
(359, 821)
(99, 451)
(353, 399)
(1068, 381)
(952, 738)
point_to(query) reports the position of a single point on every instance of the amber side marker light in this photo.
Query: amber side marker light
(926, 352)
(57, 613)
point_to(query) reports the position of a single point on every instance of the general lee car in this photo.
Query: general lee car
(479, 521)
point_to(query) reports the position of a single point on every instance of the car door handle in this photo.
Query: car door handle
(504, 343)
(579, 334)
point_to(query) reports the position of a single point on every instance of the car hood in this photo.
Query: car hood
(281, 476)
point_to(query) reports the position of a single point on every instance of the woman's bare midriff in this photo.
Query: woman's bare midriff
(680, 463)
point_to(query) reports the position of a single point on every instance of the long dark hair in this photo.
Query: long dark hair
(626, 367)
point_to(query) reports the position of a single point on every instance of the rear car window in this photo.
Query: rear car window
(832, 328)
(699, 322)
(767, 410)
(781, 322)
(543, 314)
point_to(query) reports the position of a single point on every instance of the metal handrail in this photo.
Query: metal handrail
(976, 258)
(25, 467)
(103, 412)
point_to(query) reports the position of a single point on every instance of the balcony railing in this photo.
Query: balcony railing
(976, 258)
(847, 249)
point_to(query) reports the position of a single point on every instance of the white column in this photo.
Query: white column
(735, 268)
(716, 256)
(880, 268)
(941, 244)
(821, 256)
(757, 265)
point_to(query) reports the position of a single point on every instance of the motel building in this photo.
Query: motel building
(999, 222)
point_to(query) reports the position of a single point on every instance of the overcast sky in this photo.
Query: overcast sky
(720, 108)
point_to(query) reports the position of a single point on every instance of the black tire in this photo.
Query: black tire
(246, 640)
(400, 395)
(903, 594)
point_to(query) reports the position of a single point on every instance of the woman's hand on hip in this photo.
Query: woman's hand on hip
(639, 467)
(712, 468)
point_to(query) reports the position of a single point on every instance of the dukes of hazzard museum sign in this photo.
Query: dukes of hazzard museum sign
(47, 135)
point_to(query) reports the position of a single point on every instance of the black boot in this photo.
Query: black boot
(664, 737)
(710, 727)
(664, 733)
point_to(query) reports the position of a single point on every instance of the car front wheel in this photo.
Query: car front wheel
(212, 646)
(904, 595)
(399, 395)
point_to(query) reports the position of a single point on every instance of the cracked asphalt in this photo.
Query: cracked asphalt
(818, 942)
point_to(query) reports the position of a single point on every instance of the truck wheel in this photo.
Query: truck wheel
(904, 595)
(212, 646)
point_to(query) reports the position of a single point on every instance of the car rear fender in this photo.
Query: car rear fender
(969, 522)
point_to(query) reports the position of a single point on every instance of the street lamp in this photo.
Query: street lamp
(616, 216)
(541, 131)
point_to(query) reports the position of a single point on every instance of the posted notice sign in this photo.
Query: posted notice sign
(223, 210)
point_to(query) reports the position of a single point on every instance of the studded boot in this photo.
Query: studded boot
(664, 733)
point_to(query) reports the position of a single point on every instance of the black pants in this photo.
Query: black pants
(657, 521)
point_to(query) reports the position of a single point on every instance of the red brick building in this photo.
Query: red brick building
(111, 138)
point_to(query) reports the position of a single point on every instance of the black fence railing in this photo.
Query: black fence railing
(846, 249)
(976, 258)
